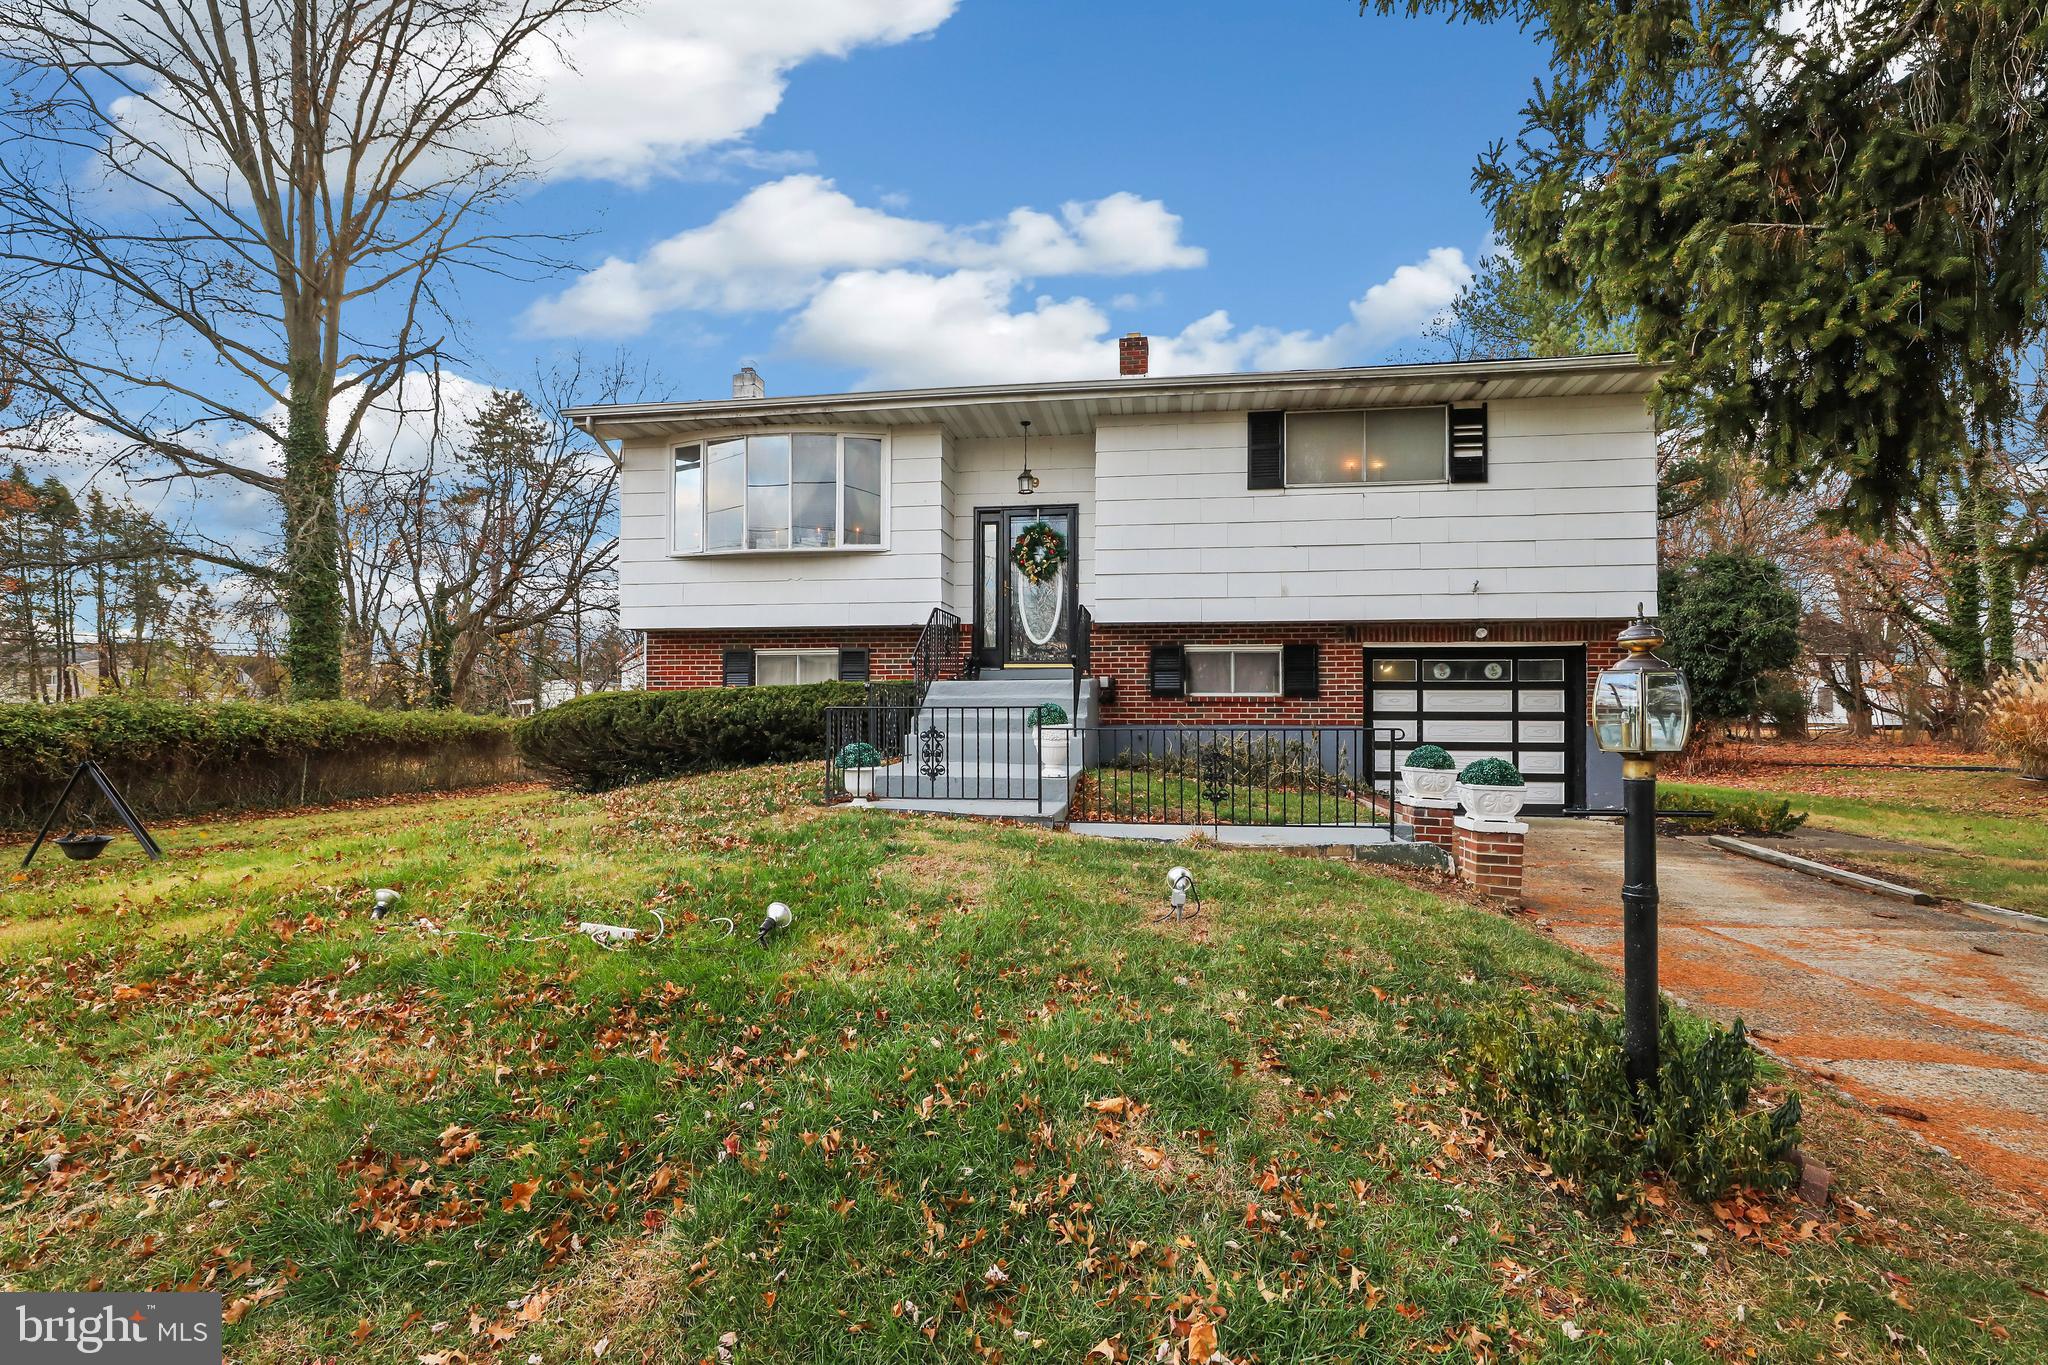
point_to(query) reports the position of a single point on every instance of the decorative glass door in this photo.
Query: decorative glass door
(1021, 621)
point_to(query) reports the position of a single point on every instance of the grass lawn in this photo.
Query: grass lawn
(1983, 836)
(1139, 797)
(976, 1102)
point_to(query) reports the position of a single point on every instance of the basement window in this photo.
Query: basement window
(1228, 671)
(788, 667)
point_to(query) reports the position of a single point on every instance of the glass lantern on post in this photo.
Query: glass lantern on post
(1641, 708)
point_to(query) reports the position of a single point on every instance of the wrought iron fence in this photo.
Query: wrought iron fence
(937, 647)
(1080, 644)
(1239, 775)
(944, 753)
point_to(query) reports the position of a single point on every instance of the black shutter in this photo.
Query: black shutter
(1301, 670)
(1265, 464)
(1468, 444)
(739, 668)
(1169, 671)
(853, 665)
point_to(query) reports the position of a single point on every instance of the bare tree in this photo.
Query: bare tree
(250, 212)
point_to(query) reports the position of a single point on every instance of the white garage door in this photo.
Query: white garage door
(1518, 704)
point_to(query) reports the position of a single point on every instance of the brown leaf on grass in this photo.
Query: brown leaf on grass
(521, 1197)
(1115, 1104)
(1201, 1340)
(362, 1332)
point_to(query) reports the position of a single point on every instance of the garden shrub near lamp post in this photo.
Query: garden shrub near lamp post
(1641, 708)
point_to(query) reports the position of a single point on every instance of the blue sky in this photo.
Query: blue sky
(1307, 154)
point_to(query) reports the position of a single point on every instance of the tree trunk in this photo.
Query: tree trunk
(312, 550)
(440, 631)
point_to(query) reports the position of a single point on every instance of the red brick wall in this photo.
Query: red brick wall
(1432, 824)
(1490, 862)
(696, 658)
(1124, 652)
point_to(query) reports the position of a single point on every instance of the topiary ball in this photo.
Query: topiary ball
(1490, 772)
(1430, 757)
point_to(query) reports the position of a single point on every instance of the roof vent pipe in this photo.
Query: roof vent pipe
(747, 384)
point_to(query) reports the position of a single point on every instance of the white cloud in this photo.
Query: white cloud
(1407, 300)
(905, 328)
(639, 91)
(779, 244)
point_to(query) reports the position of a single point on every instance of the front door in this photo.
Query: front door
(1019, 623)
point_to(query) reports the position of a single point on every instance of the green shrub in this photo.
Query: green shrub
(1046, 713)
(180, 758)
(1557, 1082)
(1432, 757)
(1732, 814)
(613, 738)
(859, 755)
(1490, 772)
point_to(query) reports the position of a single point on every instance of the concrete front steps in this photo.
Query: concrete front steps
(991, 757)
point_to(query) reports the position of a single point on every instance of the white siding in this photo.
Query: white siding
(1565, 526)
(984, 474)
(898, 586)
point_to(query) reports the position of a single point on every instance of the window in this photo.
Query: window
(1465, 670)
(787, 667)
(1215, 671)
(1380, 445)
(801, 490)
(1539, 670)
(1393, 670)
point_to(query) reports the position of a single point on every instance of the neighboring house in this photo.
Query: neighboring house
(1446, 548)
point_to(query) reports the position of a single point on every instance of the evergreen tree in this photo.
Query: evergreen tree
(1733, 626)
(1828, 221)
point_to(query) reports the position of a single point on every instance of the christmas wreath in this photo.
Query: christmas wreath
(1038, 552)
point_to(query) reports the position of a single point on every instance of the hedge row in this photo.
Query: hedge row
(175, 758)
(613, 738)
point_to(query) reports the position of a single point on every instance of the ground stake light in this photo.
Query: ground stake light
(1641, 708)
(777, 919)
(1180, 884)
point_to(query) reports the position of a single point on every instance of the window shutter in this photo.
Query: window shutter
(739, 668)
(853, 665)
(1468, 444)
(1301, 670)
(1265, 450)
(1169, 671)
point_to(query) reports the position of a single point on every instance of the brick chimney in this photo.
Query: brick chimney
(1133, 354)
(747, 384)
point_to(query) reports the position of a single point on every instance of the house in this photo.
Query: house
(1444, 549)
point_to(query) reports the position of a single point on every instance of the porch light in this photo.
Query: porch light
(1641, 708)
(1027, 482)
(1641, 705)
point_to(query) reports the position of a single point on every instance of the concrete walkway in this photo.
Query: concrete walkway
(1936, 1017)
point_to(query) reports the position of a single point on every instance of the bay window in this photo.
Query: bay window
(801, 490)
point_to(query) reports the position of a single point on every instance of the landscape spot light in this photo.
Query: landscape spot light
(386, 899)
(1180, 884)
(778, 918)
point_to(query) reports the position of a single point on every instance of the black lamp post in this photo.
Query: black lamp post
(1641, 708)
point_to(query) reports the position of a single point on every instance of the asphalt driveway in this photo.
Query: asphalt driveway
(1938, 1018)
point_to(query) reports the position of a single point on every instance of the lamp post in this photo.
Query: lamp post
(1641, 708)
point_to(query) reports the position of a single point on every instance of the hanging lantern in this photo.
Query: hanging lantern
(1027, 482)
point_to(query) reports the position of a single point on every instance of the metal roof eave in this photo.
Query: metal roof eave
(1072, 407)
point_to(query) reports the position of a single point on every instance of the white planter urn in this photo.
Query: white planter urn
(1483, 802)
(1431, 784)
(1053, 741)
(860, 782)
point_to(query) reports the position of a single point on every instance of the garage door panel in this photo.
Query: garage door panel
(1542, 699)
(1463, 756)
(1469, 699)
(1446, 731)
(1402, 700)
(1540, 732)
(1541, 761)
(1545, 793)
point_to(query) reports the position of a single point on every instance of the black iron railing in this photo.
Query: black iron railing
(943, 753)
(936, 650)
(1080, 629)
(1240, 775)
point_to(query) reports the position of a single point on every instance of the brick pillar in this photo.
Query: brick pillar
(1489, 855)
(1431, 817)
